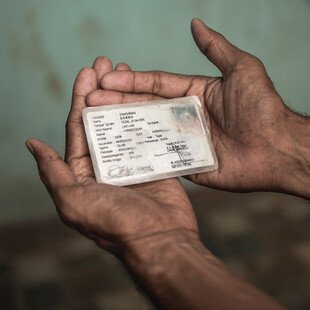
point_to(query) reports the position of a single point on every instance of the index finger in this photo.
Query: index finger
(158, 83)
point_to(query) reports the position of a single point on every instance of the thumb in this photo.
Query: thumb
(54, 172)
(218, 50)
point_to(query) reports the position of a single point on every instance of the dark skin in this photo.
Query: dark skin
(96, 210)
(151, 227)
(253, 132)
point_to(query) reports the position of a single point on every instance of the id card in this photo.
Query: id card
(145, 141)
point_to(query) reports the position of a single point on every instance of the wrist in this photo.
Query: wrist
(165, 266)
(178, 272)
(147, 245)
(294, 166)
(154, 254)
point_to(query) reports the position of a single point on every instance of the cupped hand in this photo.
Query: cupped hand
(112, 216)
(246, 116)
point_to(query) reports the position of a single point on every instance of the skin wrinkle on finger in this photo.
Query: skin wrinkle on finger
(133, 82)
(74, 160)
(156, 83)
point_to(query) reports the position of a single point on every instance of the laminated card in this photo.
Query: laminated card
(145, 141)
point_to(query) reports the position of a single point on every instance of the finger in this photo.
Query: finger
(76, 144)
(102, 97)
(102, 65)
(159, 83)
(122, 67)
(218, 50)
(54, 172)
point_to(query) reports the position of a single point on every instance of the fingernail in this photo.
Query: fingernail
(30, 147)
(196, 19)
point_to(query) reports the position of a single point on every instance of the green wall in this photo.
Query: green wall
(45, 43)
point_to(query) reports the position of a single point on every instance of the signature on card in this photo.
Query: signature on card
(116, 171)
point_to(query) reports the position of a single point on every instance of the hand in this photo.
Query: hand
(112, 216)
(151, 226)
(251, 127)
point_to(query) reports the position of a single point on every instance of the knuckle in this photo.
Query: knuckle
(156, 82)
(66, 199)
(67, 124)
(248, 60)
(123, 98)
(43, 178)
(152, 97)
(257, 62)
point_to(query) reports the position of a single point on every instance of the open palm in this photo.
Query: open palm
(110, 215)
(245, 113)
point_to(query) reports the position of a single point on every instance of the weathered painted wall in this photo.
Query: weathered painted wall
(45, 43)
